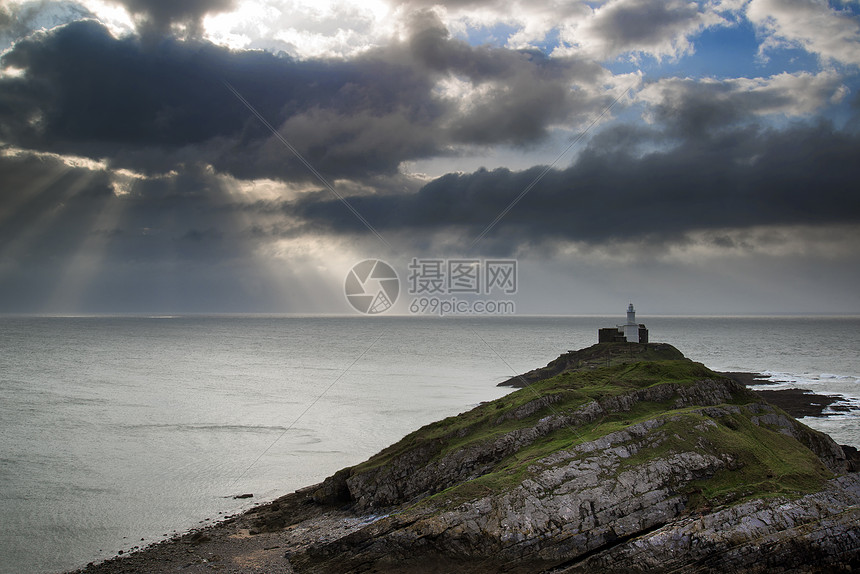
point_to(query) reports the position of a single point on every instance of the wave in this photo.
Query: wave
(844, 388)
(216, 427)
(846, 407)
(777, 378)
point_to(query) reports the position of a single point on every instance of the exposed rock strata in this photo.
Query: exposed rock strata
(818, 532)
(639, 498)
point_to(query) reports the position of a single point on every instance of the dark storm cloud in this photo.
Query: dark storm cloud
(742, 178)
(155, 106)
(84, 88)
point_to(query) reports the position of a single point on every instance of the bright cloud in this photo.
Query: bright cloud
(813, 25)
(303, 29)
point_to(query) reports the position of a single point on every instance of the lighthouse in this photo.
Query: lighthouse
(631, 328)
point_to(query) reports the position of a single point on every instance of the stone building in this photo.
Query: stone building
(629, 332)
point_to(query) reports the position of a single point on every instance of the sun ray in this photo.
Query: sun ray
(84, 265)
(13, 249)
(18, 197)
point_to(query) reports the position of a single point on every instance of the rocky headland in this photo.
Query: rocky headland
(621, 457)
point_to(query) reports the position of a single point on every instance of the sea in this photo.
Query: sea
(119, 432)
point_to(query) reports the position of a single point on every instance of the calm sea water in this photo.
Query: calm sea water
(117, 429)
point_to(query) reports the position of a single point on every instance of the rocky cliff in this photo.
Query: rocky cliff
(652, 463)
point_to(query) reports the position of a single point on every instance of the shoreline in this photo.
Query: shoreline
(260, 539)
(798, 403)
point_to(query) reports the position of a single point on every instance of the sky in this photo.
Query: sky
(241, 156)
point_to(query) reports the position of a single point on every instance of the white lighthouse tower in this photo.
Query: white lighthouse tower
(631, 328)
(630, 332)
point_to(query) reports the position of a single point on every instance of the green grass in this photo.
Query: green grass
(768, 463)
(602, 355)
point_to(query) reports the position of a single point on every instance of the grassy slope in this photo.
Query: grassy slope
(768, 462)
(597, 356)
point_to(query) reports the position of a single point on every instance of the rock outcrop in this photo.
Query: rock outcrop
(645, 465)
